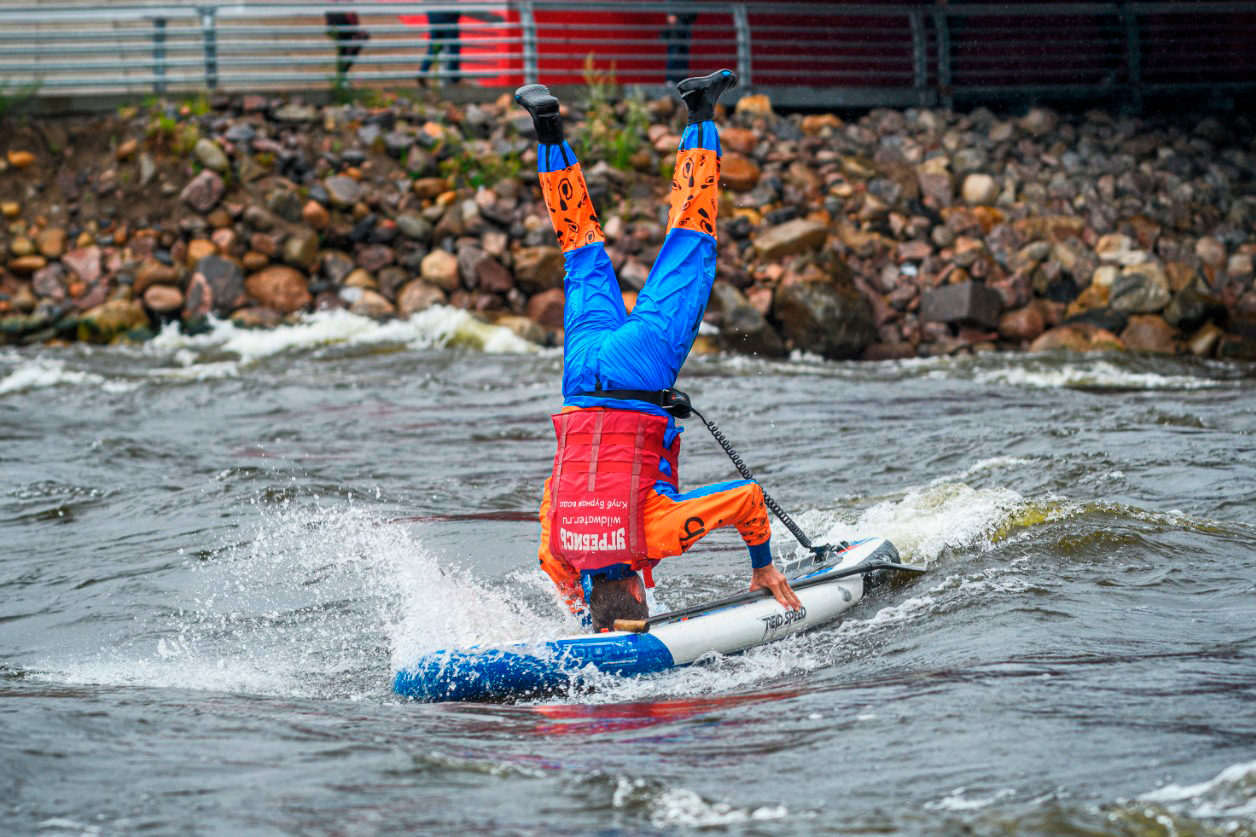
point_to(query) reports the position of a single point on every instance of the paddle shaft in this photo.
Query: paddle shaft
(640, 626)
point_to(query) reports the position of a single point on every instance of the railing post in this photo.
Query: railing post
(920, 58)
(159, 55)
(209, 38)
(1133, 53)
(944, 59)
(527, 20)
(741, 25)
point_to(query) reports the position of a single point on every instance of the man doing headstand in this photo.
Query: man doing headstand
(613, 508)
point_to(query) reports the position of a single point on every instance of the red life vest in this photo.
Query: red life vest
(607, 462)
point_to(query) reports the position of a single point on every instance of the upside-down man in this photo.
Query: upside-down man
(613, 507)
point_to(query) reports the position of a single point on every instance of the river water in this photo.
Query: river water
(218, 549)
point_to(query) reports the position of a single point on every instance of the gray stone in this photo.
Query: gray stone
(742, 327)
(539, 268)
(414, 226)
(294, 112)
(342, 191)
(967, 303)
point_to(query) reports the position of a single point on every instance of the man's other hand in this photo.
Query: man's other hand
(770, 578)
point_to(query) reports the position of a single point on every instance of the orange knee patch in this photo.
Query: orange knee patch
(570, 208)
(695, 191)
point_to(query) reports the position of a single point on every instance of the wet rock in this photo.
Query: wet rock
(440, 268)
(110, 320)
(26, 265)
(967, 303)
(51, 242)
(342, 191)
(743, 328)
(1077, 337)
(375, 257)
(738, 173)
(295, 113)
(523, 327)
(1210, 251)
(300, 249)
(372, 304)
(539, 269)
(152, 272)
(979, 189)
(84, 262)
(1204, 341)
(1142, 288)
(163, 299)
(203, 192)
(414, 227)
(256, 317)
(210, 155)
(797, 236)
(1022, 324)
(224, 281)
(279, 287)
(818, 315)
(315, 215)
(418, 296)
(1150, 333)
(546, 308)
(49, 282)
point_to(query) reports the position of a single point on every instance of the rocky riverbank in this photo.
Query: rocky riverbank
(900, 234)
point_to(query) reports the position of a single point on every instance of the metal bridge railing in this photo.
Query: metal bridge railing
(802, 53)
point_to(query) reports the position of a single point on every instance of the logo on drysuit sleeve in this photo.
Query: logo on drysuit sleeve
(779, 621)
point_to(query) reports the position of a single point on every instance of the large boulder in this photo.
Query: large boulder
(279, 287)
(743, 328)
(818, 315)
(796, 236)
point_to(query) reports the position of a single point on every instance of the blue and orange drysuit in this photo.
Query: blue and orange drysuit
(606, 348)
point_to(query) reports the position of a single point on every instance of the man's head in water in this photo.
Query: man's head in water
(620, 599)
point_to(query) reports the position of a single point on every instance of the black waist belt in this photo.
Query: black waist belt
(673, 400)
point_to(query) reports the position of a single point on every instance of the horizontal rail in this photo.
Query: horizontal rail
(924, 53)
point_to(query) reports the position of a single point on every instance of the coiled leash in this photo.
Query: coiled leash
(680, 406)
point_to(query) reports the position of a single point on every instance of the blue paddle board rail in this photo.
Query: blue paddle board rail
(523, 671)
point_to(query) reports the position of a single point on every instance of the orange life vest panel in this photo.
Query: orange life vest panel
(607, 462)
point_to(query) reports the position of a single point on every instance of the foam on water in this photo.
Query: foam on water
(439, 326)
(43, 373)
(323, 601)
(1231, 794)
(1090, 374)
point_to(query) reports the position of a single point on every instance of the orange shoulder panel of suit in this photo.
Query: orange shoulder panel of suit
(570, 208)
(695, 191)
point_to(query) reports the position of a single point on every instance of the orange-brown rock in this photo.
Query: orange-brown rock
(279, 287)
(418, 296)
(1078, 337)
(20, 159)
(738, 173)
(163, 299)
(1150, 333)
(1022, 324)
(546, 308)
(199, 248)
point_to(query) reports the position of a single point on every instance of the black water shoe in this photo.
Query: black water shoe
(537, 101)
(701, 94)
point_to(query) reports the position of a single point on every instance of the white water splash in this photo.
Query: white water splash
(43, 373)
(439, 326)
(323, 601)
(957, 800)
(1097, 374)
(1231, 794)
(673, 807)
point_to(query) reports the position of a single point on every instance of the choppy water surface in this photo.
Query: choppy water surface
(218, 549)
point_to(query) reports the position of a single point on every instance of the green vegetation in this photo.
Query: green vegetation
(615, 125)
(15, 96)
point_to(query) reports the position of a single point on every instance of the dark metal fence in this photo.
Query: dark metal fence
(821, 54)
